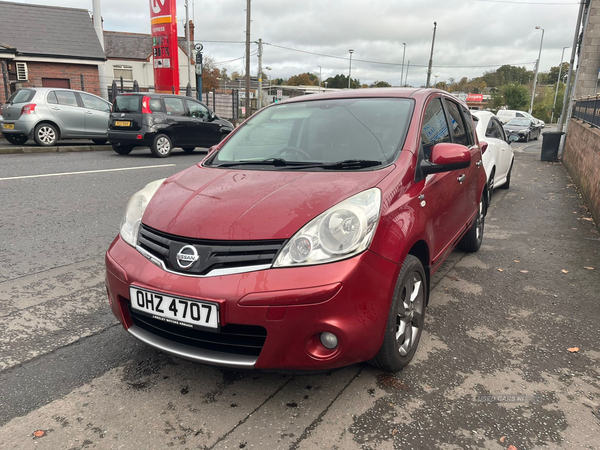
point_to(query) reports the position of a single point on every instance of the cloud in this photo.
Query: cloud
(469, 33)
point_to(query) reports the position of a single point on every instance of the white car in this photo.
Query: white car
(498, 157)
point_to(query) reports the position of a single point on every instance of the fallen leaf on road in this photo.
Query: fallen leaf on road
(524, 271)
(39, 433)
(503, 438)
(516, 260)
(500, 270)
(589, 268)
(511, 447)
(394, 432)
(573, 228)
(589, 219)
(574, 349)
(453, 278)
(564, 271)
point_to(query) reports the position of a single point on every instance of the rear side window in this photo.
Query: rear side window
(493, 130)
(128, 104)
(155, 105)
(457, 124)
(52, 98)
(435, 127)
(91, 102)
(66, 98)
(22, 96)
(499, 129)
(174, 106)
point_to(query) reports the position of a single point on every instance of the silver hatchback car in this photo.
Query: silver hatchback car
(49, 114)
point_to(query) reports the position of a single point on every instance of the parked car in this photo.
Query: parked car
(525, 129)
(162, 122)
(48, 115)
(308, 237)
(498, 157)
(504, 115)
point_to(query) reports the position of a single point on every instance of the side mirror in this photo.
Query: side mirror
(483, 146)
(446, 157)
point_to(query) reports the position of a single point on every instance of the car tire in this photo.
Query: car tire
(189, 149)
(161, 146)
(122, 149)
(45, 134)
(490, 189)
(506, 184)
(99, 141)
(407, 312)
(16, 139)
(527, 137)
(473, 238)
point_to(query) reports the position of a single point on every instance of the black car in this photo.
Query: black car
(162, 122)
(523, 128)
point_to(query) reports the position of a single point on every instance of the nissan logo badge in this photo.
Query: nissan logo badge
(187, 256)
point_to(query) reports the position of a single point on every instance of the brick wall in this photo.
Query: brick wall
(587, 82)
(39, 70)
(582, 160)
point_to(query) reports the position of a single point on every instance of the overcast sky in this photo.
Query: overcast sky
(469, 33)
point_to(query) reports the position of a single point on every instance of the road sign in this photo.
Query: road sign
(279, 94)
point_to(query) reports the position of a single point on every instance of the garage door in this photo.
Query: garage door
(56, 83)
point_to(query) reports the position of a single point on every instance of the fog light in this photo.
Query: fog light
(329, 340)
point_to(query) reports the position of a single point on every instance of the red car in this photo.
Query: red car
(307, 238)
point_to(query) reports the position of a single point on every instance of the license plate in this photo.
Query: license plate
(122, 123)
(179, 311)
(8, 126)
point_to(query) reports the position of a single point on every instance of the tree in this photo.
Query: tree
(210, 74)
(235, 76)
(553, 74)
(303, 79)
(278, 81)
(380, 84)
(442, 85)
(224, 76)
(340, 81)
(516, 96)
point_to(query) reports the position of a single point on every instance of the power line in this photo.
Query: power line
(389, 63)
(530, 3)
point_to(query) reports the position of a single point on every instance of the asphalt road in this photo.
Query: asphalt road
(493, 369)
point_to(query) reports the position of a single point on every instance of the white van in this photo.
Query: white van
(506, 114)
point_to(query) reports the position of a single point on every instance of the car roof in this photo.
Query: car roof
(154, 95)
(417, 93)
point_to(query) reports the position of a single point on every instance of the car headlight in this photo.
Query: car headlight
(342, 231)
(130, 224)
(523, 131)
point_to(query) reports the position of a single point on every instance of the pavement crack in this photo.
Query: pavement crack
(48, 270)
(319, 418)
(243, 421)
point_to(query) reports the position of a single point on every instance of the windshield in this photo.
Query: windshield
(519, 122)
(321, 132)
(128, 103)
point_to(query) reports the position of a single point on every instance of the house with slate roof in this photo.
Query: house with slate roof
(47, 46)
(129, 55)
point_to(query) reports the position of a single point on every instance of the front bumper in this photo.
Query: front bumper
(350, 299)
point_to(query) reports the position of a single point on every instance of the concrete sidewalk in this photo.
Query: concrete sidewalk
(80, 145)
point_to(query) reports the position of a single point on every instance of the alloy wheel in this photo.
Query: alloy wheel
(47, 135)
(163, 145)
(479, 222)
(409, 316)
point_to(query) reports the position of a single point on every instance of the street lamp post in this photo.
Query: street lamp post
(558, 82)
(402, 72)
(350, 68)
(436, 77)
(537, 68)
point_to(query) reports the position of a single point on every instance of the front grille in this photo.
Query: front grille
(212, 254)
(232, 339)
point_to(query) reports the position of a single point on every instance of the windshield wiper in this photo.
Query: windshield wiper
(350, 164)
(277, 162)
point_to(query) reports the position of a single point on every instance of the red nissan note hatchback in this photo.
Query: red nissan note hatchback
(307, 238)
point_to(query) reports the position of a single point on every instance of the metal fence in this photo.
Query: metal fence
(224, 102)
(588, 110)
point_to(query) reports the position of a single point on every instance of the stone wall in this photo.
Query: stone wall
(587, 83)
(582, 159)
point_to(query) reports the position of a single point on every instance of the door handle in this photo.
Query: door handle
(461, 178)
(89, 113)
(478, 163)
(55, 108)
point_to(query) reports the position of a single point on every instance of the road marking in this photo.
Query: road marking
(85, 172)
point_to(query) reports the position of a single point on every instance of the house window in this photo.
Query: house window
(123, 71)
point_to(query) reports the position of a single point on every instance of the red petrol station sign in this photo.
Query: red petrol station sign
(164, 45)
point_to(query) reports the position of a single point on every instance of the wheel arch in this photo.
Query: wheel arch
(49, 122)
(420, 250)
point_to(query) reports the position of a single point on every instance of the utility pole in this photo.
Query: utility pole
(431, 56)
(248, 102)
(100, 33)
(537, 69)
(406, 76)
(260, 48)
(189, 48)
(558, 83)
(402, 72)
(561, 120)
(320, 78)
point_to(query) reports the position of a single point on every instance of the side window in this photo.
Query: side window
(91, 102)
(66, 98)
(490, 130)
(457, 124)
(469, 123)
(155, 105)
(499, 129)
(435, 127)
(52, 98)
(197, 110)
(519, 115)
(174, 106)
